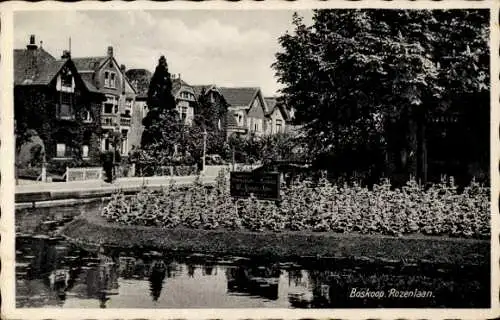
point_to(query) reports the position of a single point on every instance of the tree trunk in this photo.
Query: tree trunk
(422, 151)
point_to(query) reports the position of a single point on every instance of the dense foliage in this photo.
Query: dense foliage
(281, 146)
(366, 83)
(439, 210)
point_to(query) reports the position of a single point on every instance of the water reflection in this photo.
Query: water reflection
(156, 277)
(254, 280)
(52, 272)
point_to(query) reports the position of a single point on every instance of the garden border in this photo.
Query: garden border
(92, 232)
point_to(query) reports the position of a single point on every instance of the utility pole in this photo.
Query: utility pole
(204, 149)
(233, 159)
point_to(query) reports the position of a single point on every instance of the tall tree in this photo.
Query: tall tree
(209, 117)
(162, 125)
(364, 82)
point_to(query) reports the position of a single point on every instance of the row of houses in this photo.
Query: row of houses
(76, 105)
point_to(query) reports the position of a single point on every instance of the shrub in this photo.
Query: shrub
(438, 210)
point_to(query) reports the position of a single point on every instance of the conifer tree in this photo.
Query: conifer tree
(162, 124)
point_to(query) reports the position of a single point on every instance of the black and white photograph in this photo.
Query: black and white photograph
(292, 159)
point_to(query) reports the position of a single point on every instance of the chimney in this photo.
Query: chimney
(110, 51)
(179, 76)
(66, 54)
(32, 45)
(122, 68)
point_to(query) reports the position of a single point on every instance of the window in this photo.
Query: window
(67, 80)
(105, 144)
(61, 150)
(108, 108)
(112, 81)
(124, 142)
(86, 116)
(256, 125)
(240, 120)
(65, 108)
(110, 105)
(128, 104)
(279, 125)
(85, 151)
(219, 124)
(183, 114)
(66, 98)
(128, 107)
(106, 79)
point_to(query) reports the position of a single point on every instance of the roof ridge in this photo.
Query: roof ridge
(89, 57)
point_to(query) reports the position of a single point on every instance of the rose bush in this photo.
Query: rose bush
(438, 210)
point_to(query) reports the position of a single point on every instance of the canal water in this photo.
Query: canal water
(51, 272)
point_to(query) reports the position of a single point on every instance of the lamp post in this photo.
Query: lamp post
(204, 149)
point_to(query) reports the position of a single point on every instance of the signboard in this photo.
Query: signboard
(263, 185)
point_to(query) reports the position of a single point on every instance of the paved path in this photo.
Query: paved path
(98, 184)
(37, 192)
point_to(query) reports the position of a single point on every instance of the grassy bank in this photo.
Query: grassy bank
(90, 231)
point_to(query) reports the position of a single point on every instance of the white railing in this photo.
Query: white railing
(213, 170)
(82, 174)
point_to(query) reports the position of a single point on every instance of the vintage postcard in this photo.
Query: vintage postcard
(249, 160)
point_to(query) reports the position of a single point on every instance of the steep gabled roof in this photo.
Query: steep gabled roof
(89, 63)
(198, 89)
(90, 86)
(84, 64)
(272, 104)
(236, 97)
(177, 84)
(34, 66)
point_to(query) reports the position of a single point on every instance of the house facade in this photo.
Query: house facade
(139, 78)
(105, 74)
(185, 99)
(224, 119)
(277, 117)
(53, 100)
(248, 108)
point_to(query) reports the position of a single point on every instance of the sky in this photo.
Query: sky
(227, 48)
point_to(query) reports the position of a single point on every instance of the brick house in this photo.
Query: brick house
(105, 74)
(51, 98)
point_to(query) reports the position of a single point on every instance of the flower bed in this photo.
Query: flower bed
(438, 210)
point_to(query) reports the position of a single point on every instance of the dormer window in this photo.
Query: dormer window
(67, 80)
